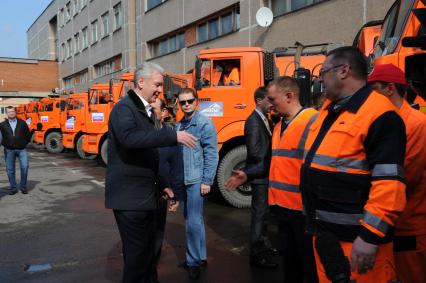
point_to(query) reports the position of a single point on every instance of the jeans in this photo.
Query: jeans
(195, 232)
(10, 157)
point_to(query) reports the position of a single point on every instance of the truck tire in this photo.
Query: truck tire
(34, 144)
(234, 160)
(104, 152)
(53, 142)
(81, 152)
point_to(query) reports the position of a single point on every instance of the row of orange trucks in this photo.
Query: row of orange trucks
(80, 121)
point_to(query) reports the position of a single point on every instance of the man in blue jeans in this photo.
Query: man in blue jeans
(199, 168)
(15, 136)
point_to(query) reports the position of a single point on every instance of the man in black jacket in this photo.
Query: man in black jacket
(257, 134)
(15, 137)
(133, 186)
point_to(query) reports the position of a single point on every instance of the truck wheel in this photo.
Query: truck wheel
(34, 144)
(81, 152)
(104, 152)
(53, 143)
(234, 160)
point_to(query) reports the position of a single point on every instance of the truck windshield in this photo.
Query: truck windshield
(74, 104)
(393, 27)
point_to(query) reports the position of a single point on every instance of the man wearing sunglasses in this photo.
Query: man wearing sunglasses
(199, 168)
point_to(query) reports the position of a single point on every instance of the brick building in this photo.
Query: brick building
(22, 80)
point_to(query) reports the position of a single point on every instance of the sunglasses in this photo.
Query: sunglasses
(184, 102)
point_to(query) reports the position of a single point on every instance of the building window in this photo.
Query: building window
(77, 42)
(63, 52)
(68, 11)
(85, 40)
(281, 7)
(108, 67)
(74, 7)
(84, 77)
(168, 44)
(69, 48)
(83, 3)
(105, 21)
(153, 3)
(61, 17)
(94, 27)
(118, 21)
(218, 26)
(68, 82)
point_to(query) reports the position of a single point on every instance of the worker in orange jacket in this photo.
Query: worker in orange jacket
(352, 178)
(410, 228)
(284, 195)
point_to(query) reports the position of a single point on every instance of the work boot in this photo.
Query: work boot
(194, 272)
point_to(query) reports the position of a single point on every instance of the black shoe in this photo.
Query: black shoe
(194, 272)
(185, 265)
(264, 263)
(12, 193)
(24, 192)
(273, 251)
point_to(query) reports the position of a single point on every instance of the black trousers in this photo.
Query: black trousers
(259, 243)
(138, 235)
(160, 230)
(297, 249)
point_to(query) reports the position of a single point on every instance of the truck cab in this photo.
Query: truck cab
(226, 79)
(73, 123)
(49, 128)
(103, 97)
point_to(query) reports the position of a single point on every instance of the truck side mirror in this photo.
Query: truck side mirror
(88, 97)
(110, 86)
(198, 83)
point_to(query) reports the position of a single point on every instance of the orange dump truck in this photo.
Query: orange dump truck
(402, 21)
(48, 129)
(102, 100)
(74, 121)
(228, 105)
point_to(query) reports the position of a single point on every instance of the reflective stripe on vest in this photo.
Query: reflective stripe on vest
(352, 219)
(283, 186)
(341, 164)
(387, 170)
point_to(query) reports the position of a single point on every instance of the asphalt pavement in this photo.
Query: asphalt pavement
(61, 232)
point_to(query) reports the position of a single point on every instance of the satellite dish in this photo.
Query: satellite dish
(264, 17)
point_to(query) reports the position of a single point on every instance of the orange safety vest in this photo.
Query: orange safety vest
(413, 219)
(342, 188)
(234, 76)
(287, 158)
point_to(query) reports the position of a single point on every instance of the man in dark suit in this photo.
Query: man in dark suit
(14, 136)
(257, 134)
(133, 186)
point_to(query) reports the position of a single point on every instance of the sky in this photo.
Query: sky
(16, 16)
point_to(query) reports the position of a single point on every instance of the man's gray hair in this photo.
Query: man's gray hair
(146, 70)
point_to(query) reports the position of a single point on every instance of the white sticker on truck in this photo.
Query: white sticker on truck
(212, 109)
(44, 119)
(98, 117)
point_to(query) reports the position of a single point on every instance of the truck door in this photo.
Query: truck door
(226, 95)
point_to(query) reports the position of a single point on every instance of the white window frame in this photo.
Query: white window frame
(118, 11)
(84, 39)
(105, 27)
(95, 31)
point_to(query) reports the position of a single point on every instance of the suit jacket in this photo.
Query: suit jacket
(132, 180)
(258, 143)
(20, 139)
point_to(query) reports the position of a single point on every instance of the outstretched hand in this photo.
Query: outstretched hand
(237, 179)
(186, 139)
